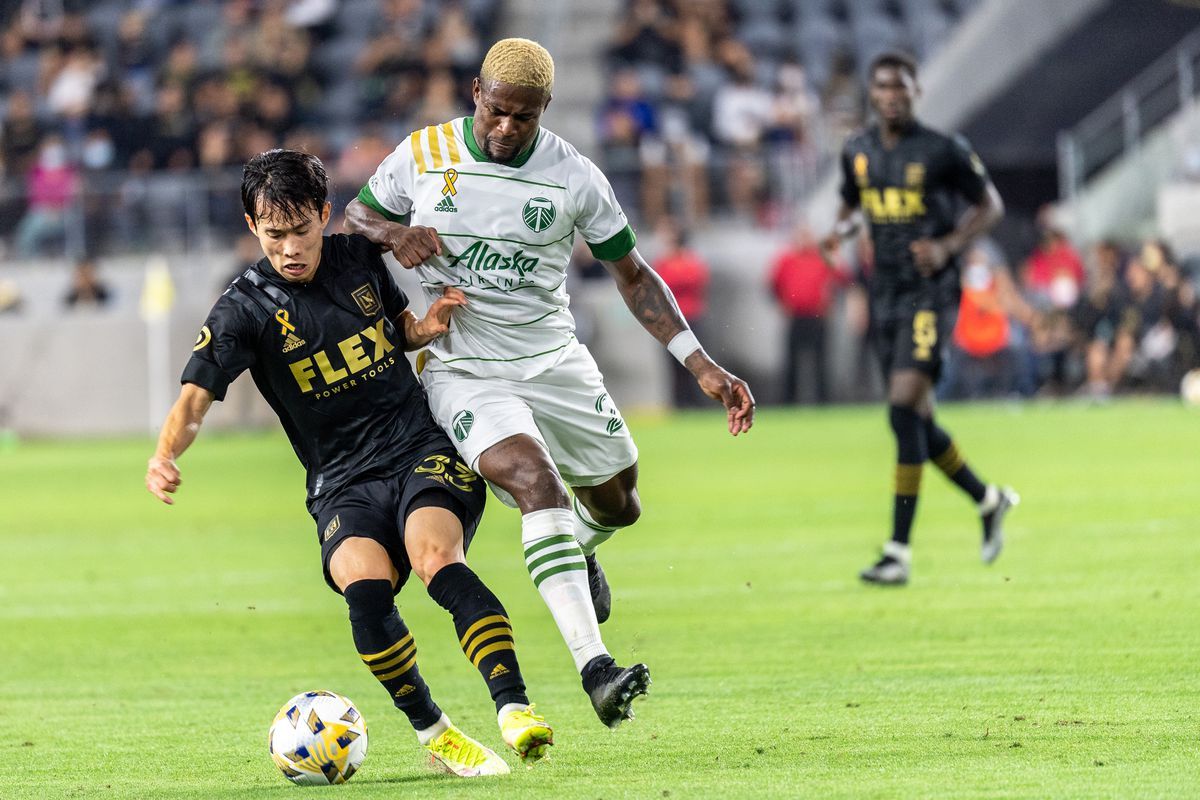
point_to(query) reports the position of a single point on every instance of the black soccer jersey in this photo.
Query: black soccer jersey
(329, 360)
(909, 192)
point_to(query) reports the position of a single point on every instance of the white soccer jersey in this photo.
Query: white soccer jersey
(507, 232)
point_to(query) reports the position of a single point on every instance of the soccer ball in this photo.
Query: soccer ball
(318, 738)
(1189, 388)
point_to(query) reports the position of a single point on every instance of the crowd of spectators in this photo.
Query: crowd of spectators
(1122, 318)
(735, 104)
(109, 104)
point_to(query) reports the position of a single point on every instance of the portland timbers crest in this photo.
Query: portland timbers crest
(538, 214)
(461, 424)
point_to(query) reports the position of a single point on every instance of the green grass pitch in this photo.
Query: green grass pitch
(145, 649)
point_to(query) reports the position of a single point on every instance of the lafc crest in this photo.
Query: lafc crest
(365, 297)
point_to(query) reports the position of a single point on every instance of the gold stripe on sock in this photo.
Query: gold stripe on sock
(491, 648)
(471, 651)
(403, 668)
(382, 654)
(908, 479)
(480, 623)
(384, 666)
(950, 461)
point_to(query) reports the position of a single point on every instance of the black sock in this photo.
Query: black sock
(911, 452)
(484, 631)
(388, 649)
(945, 455)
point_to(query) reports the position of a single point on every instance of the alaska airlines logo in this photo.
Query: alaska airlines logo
(364, 351)
(480, 257)
(893, 204)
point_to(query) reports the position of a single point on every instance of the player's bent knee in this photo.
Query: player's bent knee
(433, 539)
(521, 466)
(359, 559)
(629, 512)
(535, 486)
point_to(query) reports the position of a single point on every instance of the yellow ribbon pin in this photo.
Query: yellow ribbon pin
(451, 176)
(281, 316)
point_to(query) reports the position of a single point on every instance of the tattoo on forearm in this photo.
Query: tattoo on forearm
(648, 299)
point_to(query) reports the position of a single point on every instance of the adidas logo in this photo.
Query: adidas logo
(446, 206)
(407, 688)
(497, 672)
(292, 342)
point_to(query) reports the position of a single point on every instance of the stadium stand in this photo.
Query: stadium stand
(125, 123)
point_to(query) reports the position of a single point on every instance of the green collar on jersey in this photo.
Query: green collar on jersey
(479, 155)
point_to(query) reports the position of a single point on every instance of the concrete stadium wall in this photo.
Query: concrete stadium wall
(87, 372)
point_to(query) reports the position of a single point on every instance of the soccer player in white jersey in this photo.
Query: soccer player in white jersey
(492, 204)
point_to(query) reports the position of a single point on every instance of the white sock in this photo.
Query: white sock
(589, 533)
(507, 709)
(898, 551)
(991, 499)
(427, 735)
(556, 566)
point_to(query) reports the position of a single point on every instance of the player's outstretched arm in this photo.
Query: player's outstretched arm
(410, 244)
(420, 332)
(178, 432)
(655, 308)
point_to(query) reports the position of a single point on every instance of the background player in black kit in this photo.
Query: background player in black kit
(321, 325)
(910, 183)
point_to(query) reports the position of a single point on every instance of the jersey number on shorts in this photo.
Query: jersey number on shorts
(441, 469)
(925, 335)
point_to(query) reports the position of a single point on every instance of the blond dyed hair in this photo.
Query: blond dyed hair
(519, 62)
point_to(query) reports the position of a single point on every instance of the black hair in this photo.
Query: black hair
(895, 60)
(287, 181)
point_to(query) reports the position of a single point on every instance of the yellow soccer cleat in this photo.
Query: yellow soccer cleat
(455, 752)
(527, 734)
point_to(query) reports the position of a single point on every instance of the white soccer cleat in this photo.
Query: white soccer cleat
(892, 567)
(998, 502)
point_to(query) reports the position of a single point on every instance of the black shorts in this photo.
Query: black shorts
(912, 334)
(376, 508)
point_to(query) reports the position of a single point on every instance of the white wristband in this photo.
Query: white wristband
(683, 344)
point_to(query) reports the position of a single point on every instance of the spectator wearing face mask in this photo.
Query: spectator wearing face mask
(983, 362)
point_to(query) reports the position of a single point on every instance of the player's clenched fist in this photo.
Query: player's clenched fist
(162, 479)
(413, 245)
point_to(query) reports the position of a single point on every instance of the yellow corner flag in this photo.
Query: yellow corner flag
(158, 291)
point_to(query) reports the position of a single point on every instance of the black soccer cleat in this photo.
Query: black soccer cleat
(613, 689)
(598, 584)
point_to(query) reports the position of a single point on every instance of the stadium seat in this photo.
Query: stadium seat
(769, 10)
(765, 37)
(335, 59)
(358, 17)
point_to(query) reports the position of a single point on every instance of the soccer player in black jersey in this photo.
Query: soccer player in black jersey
(911, 183)
(321, 325)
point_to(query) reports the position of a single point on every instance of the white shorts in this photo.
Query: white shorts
(566, 408)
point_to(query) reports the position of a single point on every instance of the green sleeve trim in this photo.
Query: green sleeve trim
(615, 248)
(367, 198)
